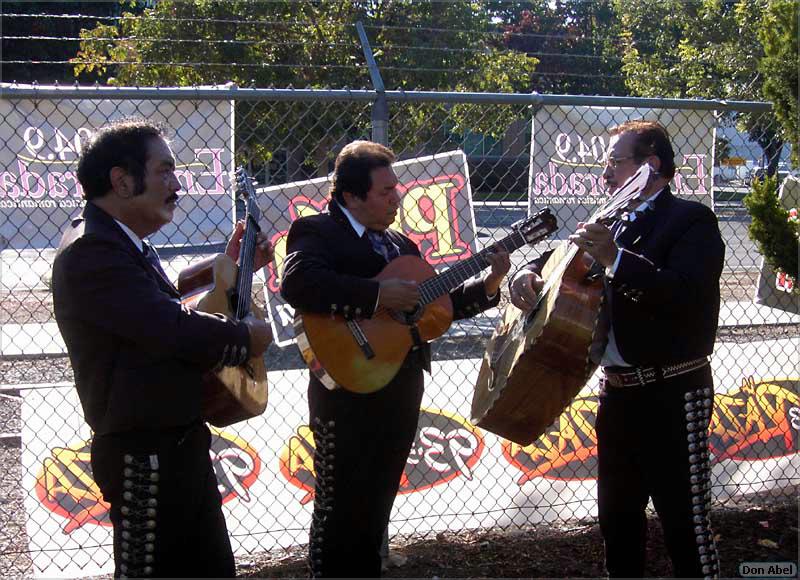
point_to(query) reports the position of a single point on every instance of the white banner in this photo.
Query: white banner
(457, 476)
(568, 155)
(39, 189)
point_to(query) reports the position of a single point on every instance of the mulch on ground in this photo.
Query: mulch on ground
(758, 533)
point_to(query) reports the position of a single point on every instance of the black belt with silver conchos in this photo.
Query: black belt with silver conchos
(638, 376)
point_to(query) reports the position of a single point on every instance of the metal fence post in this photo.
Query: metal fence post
(380, 108)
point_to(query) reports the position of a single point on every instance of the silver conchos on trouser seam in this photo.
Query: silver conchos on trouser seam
(324, 444)
(139, 509)
(698, 408)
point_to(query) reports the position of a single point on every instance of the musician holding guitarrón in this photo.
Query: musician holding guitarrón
(656, 330)
(363, 440)
(138, 356)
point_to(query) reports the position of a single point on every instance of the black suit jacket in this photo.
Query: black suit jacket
(137, 353)
(328, 269)
(665, 292)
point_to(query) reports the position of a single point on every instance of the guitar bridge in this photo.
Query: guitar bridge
(361, 339)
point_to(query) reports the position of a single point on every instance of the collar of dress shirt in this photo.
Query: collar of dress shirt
(137, 241)
(357, 225)
(650, 201)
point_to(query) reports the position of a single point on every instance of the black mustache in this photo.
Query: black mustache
(172, 198)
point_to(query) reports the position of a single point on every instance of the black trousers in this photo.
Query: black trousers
(653, 443)
(362, 444)
(166, 509)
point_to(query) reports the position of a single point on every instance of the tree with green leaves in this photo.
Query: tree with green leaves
(779, 67)
(576, 42)
(776, 235)
(438, 45)
(36, 32)
(700, 49)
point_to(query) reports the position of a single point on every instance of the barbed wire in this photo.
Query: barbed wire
(284, 23)
(534, 73)
(109, 63)
(298, 43)
(185, 40)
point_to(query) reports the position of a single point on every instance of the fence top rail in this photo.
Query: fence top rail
(231, 91)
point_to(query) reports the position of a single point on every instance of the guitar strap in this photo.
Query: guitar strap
(415, 336)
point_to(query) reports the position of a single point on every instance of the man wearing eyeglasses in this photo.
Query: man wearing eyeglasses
(654, 335)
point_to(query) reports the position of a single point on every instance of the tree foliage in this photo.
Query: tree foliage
(699, 49)
(774, 233)
(23, 45)
(576, 42)
(779, 67)
(315, 44)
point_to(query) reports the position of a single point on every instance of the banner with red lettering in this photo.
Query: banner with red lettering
(435, 212)
(39, 189)
(568, 155)
(457, 476)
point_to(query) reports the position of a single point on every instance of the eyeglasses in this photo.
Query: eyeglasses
(613, 162)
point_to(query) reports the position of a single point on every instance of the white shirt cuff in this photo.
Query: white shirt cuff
(612, 269)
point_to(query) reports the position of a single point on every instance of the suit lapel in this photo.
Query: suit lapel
(363, 241)
(99, 221)
(638, 231)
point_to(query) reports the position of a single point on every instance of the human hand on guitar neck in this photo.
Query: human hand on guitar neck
(500, 261)
(597, 241)
(264, 250)
(259, 330)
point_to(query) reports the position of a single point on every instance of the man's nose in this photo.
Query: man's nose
(608, 171)
(175, 184)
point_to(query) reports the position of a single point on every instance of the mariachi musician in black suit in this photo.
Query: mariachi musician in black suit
(362, 440)
(655, 333)
(139, 355)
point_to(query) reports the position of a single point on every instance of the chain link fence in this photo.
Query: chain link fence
(471, 166)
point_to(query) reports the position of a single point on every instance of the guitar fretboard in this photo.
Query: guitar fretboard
(244, 281)
(445, 282)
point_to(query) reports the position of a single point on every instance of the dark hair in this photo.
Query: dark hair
(121, 143)
(354, 164)
(651, 139)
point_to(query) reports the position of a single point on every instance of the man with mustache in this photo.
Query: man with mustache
(362, 440)
(139, 355)
(655, 333)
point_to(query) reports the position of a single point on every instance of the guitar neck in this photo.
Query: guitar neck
(244, 280)
(447, 281)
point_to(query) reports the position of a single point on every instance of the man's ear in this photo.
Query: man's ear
(121, 182)
(348, 199)
(655, 162)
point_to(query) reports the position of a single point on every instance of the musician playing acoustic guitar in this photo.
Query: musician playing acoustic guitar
(362, 440)
(139, 355)
(655, 333)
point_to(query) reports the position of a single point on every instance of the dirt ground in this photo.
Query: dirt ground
(755, 533)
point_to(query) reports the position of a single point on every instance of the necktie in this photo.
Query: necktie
(151, 255)
(383, 245)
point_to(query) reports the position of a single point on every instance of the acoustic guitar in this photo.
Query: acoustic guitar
(363, 355)
(537, 362)
(217, 285)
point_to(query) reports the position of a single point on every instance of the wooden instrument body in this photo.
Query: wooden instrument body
(536, 364)
(333, 355)
(234, 393)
